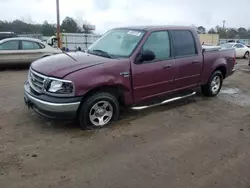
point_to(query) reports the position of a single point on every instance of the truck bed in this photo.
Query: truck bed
(215, 56)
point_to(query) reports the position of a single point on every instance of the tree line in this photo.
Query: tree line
(226, 33)
(68, 25)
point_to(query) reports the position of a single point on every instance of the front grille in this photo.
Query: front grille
(36, 81)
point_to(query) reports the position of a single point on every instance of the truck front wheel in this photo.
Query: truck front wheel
(213, 86)
(98, 110)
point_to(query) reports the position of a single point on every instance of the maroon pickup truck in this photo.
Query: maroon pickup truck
(136, 67)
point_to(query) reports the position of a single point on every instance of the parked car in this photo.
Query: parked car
(242, 51)
(130, 66)
(23, 50)
(4, 35)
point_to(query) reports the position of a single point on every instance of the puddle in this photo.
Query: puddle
(230, 91)
(235, 96)
(245, 70)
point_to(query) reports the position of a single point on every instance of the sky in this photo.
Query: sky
(106, 14)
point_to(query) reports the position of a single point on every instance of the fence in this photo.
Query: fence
(246, 41)
(74, 40)
(70, 40)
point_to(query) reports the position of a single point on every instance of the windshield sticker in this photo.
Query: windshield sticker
(135, 33)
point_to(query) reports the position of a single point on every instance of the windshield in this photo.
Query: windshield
(117, 43)
(227, 45)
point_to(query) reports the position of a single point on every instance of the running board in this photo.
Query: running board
(163, 102)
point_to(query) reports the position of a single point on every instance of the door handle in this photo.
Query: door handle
(196, 61)
(125, 74)
(167, 67)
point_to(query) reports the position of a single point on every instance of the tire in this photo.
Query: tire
(246, 56)
(98, 111)
(211, 90)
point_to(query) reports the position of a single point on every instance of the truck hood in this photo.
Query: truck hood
(63, 64)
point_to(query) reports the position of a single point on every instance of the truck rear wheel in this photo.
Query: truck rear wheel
(98, 111)
(213, 86)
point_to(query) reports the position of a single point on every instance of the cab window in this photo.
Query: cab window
(159, 43)
(184, 43)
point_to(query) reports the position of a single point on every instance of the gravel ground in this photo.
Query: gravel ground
(197, 142)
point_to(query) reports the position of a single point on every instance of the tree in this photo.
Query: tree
(248, 34)
(48, 29)
(69, 25)
(212, 31)
(242, 32)
(88, 28)
(4, 26)
(21, 27)
(232, 33)
(201, 30)
(221, 31)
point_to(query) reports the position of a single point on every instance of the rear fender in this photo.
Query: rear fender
(209, 69)
(221, 62)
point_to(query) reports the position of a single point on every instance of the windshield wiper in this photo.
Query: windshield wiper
(95, 52)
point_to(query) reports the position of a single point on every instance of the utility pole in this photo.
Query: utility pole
(223, 26)
(58, 23)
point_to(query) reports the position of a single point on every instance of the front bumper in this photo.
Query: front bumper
(51, 107)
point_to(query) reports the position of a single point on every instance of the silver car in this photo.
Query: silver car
(24, 50)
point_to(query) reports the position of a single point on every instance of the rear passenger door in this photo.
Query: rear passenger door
(30, 51)
(188, 63)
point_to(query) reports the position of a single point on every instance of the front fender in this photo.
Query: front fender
(107, 74)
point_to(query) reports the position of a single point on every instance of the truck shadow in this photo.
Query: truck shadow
(126, 117)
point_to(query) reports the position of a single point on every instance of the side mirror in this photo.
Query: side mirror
(146, 55)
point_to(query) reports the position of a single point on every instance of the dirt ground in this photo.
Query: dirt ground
(197, 142)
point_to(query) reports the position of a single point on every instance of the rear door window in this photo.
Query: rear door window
(238, 46)
(29, 45)
(184, 43)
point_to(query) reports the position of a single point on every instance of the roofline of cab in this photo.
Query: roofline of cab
(157, 27)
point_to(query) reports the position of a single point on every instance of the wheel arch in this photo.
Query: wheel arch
(116, 90)
(223, 70)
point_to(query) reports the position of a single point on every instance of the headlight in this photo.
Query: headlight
(60, 87)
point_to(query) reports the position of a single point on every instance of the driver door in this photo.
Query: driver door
(154, 78)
